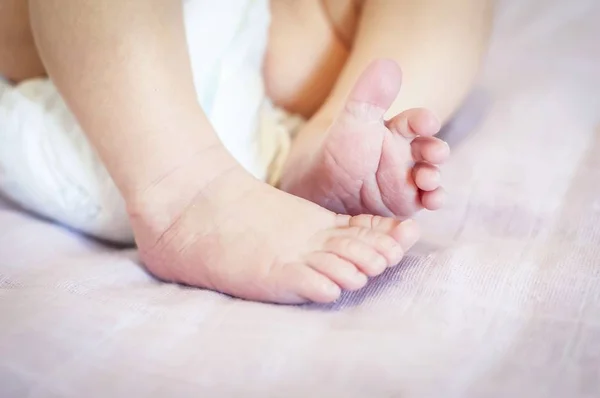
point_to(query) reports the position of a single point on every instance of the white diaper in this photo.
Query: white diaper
(48, 166)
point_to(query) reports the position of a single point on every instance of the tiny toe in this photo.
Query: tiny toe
(430, 149)
(414, 122)
(427, 176)
(340, 271)
(433, 200)
(366, 258)
(301, 283)
(384, 244)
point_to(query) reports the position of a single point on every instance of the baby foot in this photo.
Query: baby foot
(246, 239)
(363, 164)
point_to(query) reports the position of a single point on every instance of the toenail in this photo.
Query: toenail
(361, 279)
(331, 289)
(409, 224)
(436, 176)
(433, 123)
(397, 254)
(428, 179)
(443, 148)
(379, 262)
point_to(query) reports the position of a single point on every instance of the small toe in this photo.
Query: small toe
(383, 243)
(299, 283)
(430, 149)
(364, 256)
(414, 122)
(340, 271)
(433, 200)
(427, 176)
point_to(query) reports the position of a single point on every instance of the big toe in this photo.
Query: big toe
(375, 90)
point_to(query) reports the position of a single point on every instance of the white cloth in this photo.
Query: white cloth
(47, 165)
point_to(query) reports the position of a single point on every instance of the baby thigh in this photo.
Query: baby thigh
(19, 59)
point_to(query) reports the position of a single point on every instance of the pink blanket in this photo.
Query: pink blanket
(502, 298)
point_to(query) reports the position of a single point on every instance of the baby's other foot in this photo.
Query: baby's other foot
(364, 164)
(246, 239)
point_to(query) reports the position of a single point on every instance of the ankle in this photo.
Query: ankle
(170, 192)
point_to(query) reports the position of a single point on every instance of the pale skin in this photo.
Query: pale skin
(198, 217)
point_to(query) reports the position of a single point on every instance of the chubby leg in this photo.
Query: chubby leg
(19, 58)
